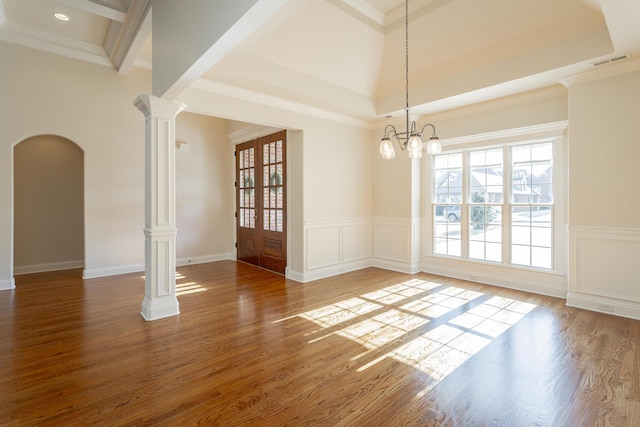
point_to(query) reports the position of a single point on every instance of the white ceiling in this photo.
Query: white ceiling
(348, 56)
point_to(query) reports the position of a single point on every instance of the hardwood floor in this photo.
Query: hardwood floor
(367, 348)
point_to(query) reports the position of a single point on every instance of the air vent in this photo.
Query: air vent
(612, 60)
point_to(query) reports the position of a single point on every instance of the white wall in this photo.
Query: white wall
(604, 207)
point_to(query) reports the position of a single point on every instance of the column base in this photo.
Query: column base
(160, 308)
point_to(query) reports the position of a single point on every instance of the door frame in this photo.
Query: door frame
(249, 134)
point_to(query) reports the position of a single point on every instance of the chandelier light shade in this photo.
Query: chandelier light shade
(411, 139)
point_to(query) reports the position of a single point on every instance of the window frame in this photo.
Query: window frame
(554, 134)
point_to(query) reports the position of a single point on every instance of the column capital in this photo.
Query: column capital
(162, 107)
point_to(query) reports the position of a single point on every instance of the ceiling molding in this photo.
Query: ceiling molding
(52, 43)
(131, 36)
(3, 16)
(250, 133)
(393, 19)
(507, 101)
(274, 102)
(366, 10)
(603, 72)
(546, 130)
(107, 9)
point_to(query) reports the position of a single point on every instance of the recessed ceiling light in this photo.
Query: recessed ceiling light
(61, 16)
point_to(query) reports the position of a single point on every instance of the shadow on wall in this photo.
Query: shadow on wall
(48, 205)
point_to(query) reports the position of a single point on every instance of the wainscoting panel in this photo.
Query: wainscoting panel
(356, 242)
(335, 246)
(604, 270)
(396, 244)
(323, 246)
(392, 240)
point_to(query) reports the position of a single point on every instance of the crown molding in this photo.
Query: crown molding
(3, 16)
(371, 15)
(52, 43)
(275, 102)
(545, 130)
(250, 133)
(107, 9)
(131, 36)
(602, 72)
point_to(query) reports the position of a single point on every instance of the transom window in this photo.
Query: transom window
(495, 204)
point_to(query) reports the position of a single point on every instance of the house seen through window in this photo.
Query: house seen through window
(495, 204)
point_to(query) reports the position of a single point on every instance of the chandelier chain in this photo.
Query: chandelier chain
(411, 138)
(406, 43)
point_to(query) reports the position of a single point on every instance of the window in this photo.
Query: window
(448, 191)
(495, 204)
(485, 204)
(532, 205)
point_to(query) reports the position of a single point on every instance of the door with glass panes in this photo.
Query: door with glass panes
(261, 214)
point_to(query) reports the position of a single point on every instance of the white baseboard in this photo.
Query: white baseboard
(7, 284)
(112, 271)
(401, 267)
(135, 268)
(204, 259)
(324, 272)
(535, 287)
(605, 305)
(50, 266)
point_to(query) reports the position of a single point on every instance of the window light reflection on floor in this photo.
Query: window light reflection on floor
(187, 287)
(387, 320)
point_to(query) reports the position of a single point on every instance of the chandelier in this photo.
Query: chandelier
(411, 139)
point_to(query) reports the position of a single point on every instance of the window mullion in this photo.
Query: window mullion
(507, 204)
(464, 206)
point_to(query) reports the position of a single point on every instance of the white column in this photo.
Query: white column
(160, 207)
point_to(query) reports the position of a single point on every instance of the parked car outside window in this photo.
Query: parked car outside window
(452, 213)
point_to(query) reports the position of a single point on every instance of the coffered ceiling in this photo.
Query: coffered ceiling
(348, 56)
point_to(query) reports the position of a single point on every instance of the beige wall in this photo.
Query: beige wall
(330, 179)
(204, 189)
(604, 207)
(48, 204)
(92, 106)
(604, 150)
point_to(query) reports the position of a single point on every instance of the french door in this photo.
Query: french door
(261, 192)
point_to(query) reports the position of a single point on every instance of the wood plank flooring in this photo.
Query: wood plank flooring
(367, 348)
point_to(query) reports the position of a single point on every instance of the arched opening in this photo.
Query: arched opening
(48, 205)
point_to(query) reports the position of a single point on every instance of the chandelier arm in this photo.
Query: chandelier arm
(401, 137)
(393, 131)
(425, 126)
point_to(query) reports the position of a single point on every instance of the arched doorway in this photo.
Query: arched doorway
(48, 205)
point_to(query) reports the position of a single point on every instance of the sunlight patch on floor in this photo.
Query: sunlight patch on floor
(387, 320)
(187, 287)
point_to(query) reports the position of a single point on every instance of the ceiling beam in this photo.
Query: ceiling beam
(131, 36)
